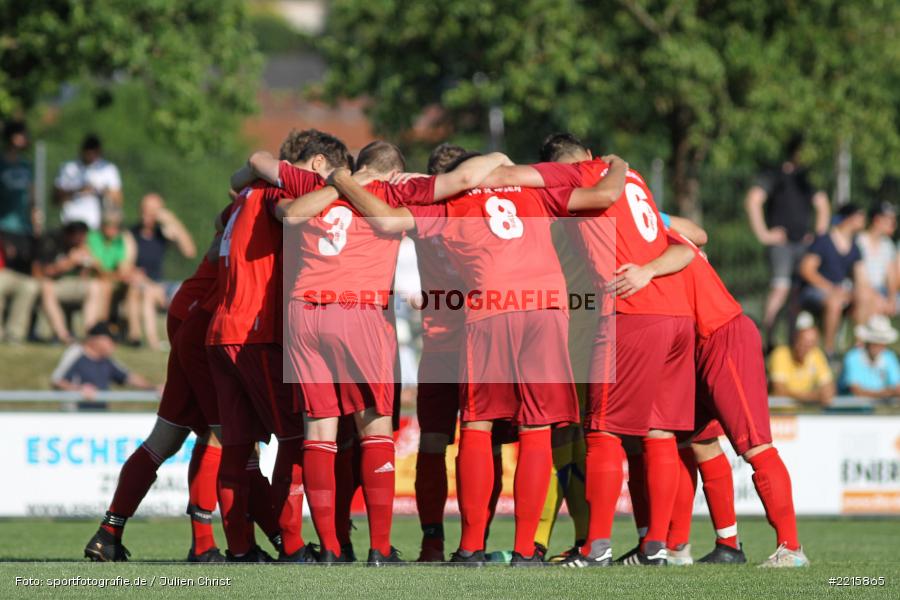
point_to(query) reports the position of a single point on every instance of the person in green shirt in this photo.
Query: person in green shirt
(113, 251)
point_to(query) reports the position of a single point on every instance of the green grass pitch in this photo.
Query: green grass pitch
(836, 547)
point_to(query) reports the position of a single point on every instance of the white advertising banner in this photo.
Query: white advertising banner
(65, 465)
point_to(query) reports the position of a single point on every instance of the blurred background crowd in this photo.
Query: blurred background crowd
(751, 118)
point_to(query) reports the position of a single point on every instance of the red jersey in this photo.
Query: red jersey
(639, 237)
(343, 259)
(713, 304)
(442, 327)
(194, 289)
(249, 270)
(501, 244)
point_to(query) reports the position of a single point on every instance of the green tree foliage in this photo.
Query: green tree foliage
(696, 82)
(196, 61)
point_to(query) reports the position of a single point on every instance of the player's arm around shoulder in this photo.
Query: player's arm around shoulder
(605, 192)
(631, 278)
(384, 218)
(471, 173)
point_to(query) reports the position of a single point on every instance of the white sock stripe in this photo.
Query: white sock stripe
(322, 447)
(153, 455)
(377, 440)
(727, 532)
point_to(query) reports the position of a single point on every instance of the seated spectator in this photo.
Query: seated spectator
(879, 256)
(88, 186)
(833, 276)
(23, 291)
(800, 371)
(114, 254)
(872, 370)
(65, 269)
(89, 367)
(146, 291)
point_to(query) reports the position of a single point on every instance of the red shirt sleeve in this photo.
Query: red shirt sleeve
(559, 174)
(556, 200)
(296, 181)
(430, 219)
(415, 192)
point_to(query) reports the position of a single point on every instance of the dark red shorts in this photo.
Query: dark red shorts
(517, 367)
(731, 384)
(642, 375)
(437, 399)
(189, 397)
(254, 402)
(343, 357)
(711, 431)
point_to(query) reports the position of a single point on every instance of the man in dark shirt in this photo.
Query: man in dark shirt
(832, 274)
(89, 367)
(779, 207)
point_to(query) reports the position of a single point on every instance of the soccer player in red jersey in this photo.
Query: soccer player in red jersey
(244, 346)
(654, 334)
(732, 399)
(515, 356)
(188, 404)
(342, 344)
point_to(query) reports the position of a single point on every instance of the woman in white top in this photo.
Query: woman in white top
(880, 257)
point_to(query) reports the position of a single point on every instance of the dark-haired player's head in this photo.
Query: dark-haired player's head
(381, 157)
(15, 135)
(91, 149)
(794, 148)
(316, 151)
(442, 157)
(564, 148)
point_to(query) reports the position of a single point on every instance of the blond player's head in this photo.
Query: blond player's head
(564, 148)
(381, 157)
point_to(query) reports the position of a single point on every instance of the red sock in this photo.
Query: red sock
(234, 498)
(318, 479)
(531, 484)
(202, 475)
(718, 487)
(773, 484)
(377, 470)
(661, 473)
(287, 493)
(603, 483)
(346, 482)
(683, 510)
(262, 510)
(637, 489)
(135, 479)
(474, 480)
(431, 490)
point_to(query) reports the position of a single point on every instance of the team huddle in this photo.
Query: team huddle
(287, 329)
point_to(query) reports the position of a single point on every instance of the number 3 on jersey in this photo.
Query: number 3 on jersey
(503, 220)
(642, 211)
(339, 217)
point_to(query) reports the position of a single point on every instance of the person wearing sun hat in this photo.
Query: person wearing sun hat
(872, 369)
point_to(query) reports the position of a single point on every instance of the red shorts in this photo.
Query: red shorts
(343, 357)
(731, 384)
(254, 402)
(189, 397)
(711, 431)
(437, 399)
(517, 367)
(650, 384)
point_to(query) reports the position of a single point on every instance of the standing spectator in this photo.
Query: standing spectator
(780, 207)
(833, 276)
(89, 367)
(113, 251)
(880, 258)
(800, 371)
(23, 290)
(65, 271)
(872, 370)
(146, 291)
(87, 186)
(18, 214)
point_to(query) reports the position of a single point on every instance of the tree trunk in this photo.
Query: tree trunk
(684, 168)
